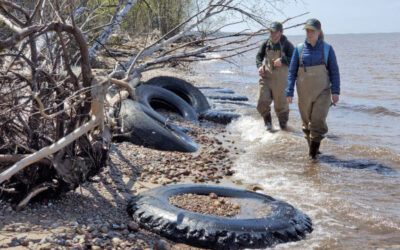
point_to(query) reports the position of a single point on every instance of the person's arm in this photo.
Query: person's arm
(261, 54)
(334, 75)
(292, 74)
(288, 53)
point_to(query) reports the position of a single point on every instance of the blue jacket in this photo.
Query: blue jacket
(312, 56)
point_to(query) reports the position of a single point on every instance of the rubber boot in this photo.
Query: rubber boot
(267, 121)
(308, 142)
(314, 146)
(283, 125)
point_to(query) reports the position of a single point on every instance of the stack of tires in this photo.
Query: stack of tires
(141, 124)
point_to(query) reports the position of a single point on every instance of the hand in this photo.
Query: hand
(289, 99)
(277, 62)
(261, 71)
(335, 98)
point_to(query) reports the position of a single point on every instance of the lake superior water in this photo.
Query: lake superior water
(353, 193)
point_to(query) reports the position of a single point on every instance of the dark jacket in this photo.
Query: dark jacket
(313, 56)
(287, 49)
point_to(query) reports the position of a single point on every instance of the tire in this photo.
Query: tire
(228, 97)
(192, 95)
(217, 90)
(152, 210)
(236, 103)
(148, 128)
(155, 96)
(219, 116)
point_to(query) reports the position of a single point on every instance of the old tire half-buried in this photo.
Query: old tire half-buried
(192, 95)
(219, 116)
(150, 129)
(153, 211)
(153, 96)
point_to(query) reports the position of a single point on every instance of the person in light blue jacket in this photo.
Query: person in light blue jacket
(314, 70)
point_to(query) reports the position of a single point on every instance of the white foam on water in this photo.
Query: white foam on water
(211, 58)
(227, 72)
(251, 130)
(280, 180)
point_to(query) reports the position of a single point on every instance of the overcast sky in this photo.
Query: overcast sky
(344, 16)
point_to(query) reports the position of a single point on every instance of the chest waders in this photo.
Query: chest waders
(271, 87)
(314, 94)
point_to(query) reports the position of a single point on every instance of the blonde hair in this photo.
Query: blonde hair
(321, 35)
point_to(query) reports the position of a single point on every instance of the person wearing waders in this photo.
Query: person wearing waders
(315, 71)
(276, 51)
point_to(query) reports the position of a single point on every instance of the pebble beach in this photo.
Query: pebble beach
(94, 215)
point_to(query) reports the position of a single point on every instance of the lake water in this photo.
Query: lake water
(352, 194)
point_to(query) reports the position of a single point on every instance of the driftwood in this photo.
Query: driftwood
(53, 134)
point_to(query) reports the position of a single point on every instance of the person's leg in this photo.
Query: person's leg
(264, 102)
(305, 114)
(318, 127)
(279, 96)
(281, 107)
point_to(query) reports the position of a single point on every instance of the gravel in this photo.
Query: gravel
(94, 215)
(206, 204)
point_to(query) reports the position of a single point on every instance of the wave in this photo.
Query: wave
(227, 72)
(378, 110)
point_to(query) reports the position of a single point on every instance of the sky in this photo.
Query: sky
(342, 16)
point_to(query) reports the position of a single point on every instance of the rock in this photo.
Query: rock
(68, 243)
(45, 240)
(133, 227)
(98, 222)
(131, 237)
(228, 172)
(78, 239)
(14, 242)
(239, 182)
(116, 241)
(236, 206)
(21, 238)
(96, 244)
(90, 228)
(20, 229)
(231, 214)
(254, 187)
(104, 229)
(213, 196)
(46, 246)
(74, 224)
(161, 245)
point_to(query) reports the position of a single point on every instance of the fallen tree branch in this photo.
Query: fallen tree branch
(17, 157)
(46, 151)
(32, 194)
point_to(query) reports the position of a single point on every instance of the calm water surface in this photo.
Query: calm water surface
(353, 193)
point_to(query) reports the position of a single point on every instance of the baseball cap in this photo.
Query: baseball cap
(275, 26)
(313, 24)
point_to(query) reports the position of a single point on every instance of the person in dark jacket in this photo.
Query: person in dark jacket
(276, 51)
(315, 71)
